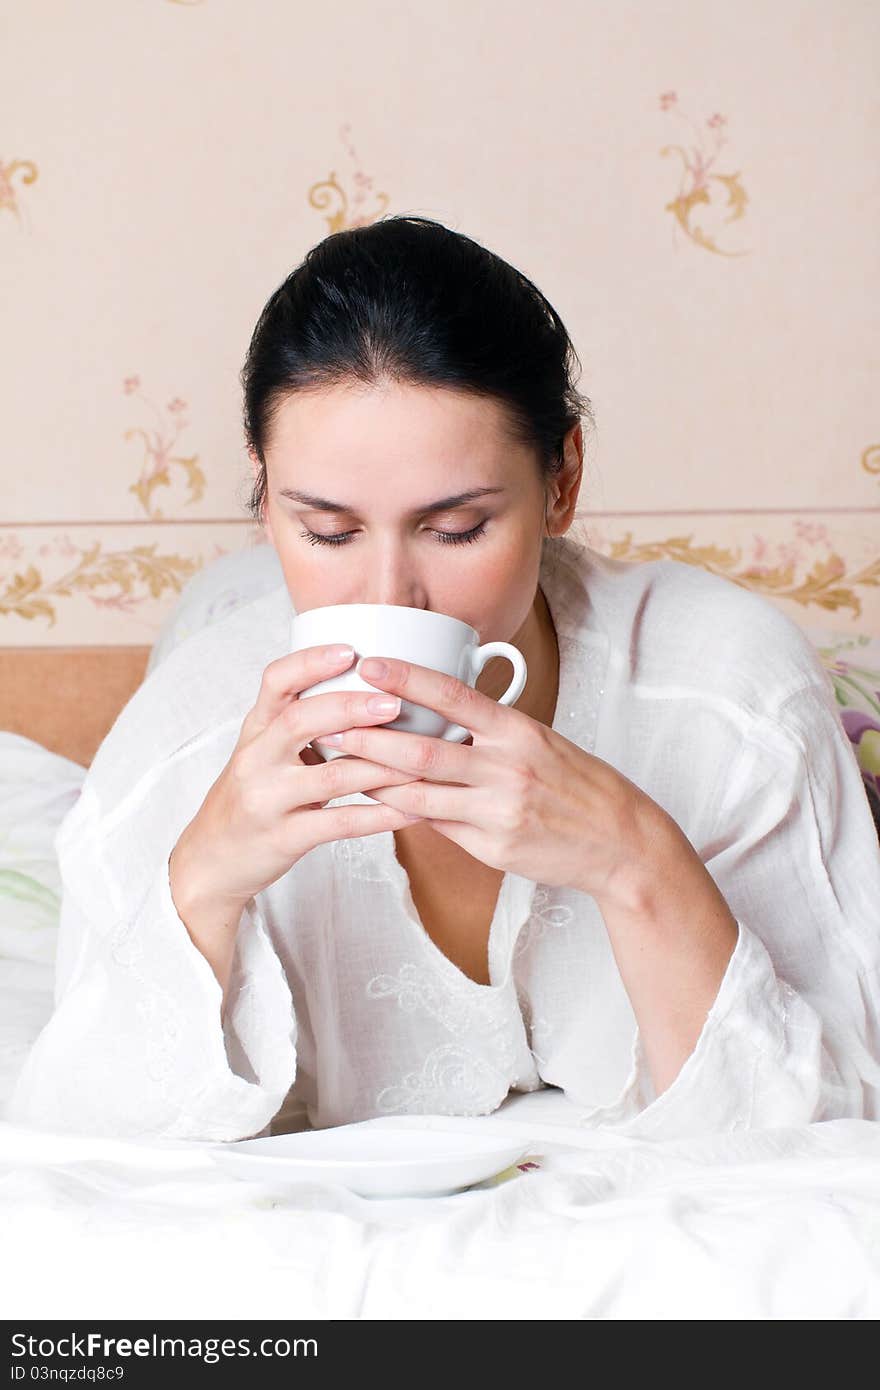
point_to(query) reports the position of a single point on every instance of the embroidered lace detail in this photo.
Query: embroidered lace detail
(164, 1030)
(126, 944)
(155, 1005)
(162, 1013)
(451, 1078)
(546, 915)
(586, 662)
(357, 856)
(422, 988)
(537, 1028)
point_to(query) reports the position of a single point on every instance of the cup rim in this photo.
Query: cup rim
(370, 607)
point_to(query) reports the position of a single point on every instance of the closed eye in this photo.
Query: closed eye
(443, 537)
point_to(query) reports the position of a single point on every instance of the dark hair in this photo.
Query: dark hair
(407, 299)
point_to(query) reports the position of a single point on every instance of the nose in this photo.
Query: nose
(393, 578)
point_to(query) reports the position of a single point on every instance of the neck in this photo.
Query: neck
(536, 639)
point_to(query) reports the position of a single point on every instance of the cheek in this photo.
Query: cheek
(498, 597)
(508, 570)
(306, 582)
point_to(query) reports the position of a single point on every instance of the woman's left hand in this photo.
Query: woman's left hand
(520, 798)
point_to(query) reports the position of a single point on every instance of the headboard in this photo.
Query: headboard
(67, 698)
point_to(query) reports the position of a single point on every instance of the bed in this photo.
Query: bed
(778, 1223)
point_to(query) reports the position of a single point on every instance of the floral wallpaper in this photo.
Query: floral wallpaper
(666, 175)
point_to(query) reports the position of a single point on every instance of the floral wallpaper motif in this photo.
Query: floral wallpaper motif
(814, 564)
(348, 212)
(871, 459)
(776, 570)
(697, 177)
(24, 171)
(133, 577)
(158, 442)
(138, 575)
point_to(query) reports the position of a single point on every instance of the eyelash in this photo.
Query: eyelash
(448, 537)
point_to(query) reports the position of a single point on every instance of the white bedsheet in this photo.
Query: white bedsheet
(781, 1224)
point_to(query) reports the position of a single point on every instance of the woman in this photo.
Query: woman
(653, 883)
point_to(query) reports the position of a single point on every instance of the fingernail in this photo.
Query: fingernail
(369, 667)
(332, 738)
(340, 654)
(383, 704)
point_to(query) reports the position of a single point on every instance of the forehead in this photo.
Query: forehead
(393, 421)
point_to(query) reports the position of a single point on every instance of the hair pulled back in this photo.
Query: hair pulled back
(407, 300)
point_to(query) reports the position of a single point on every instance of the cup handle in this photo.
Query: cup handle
(455, 733)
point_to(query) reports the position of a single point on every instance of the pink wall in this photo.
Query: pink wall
(695, 187)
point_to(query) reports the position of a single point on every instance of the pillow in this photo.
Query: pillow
(37, 789)
(853, 664)
(219, 588)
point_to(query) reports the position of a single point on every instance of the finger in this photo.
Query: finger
(284, 678)
(435, 690)
(312, 716)
(350, 822)
(341, 777)
(431, 758)
(431, 801)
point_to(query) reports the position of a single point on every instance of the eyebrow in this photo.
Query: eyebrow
(321, 504)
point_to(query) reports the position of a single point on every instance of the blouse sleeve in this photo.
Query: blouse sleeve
(793, 1035)
(136, 1045)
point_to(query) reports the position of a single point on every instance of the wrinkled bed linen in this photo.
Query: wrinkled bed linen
(773, 1224)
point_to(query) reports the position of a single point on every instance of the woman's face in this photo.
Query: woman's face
(385, 457)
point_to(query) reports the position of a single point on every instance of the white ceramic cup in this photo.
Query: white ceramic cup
(409, 634)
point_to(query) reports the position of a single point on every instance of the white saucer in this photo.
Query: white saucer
(402, 1156)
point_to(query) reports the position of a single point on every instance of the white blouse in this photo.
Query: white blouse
(342, 1008)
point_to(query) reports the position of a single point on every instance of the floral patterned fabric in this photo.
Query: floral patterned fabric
(853, 664)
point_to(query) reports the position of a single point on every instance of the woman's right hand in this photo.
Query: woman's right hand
(265, 810)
